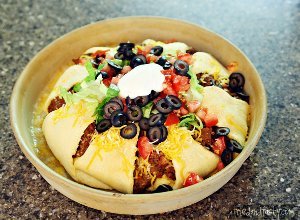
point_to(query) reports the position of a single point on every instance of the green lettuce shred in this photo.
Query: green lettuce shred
(190, 121)
(147, 109)
(195, 91)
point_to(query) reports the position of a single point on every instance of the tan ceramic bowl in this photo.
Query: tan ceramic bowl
(135, 29)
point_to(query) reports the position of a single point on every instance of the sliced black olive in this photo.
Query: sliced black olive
(128, 101)
(181, 67)
(173, 101)
(154, 134)
(111, 107)
(114, 66)
(163, 188)
(118, 118)
(153, 95)
(134, 113)
(102, 73)
(236, 147)
(222, 131)
(164, 63)
(141, 100)
(242, 95)
(144, 124)
(226, 157)
(129, 131)
(125, 46)
(164, 133)
(103, 125)
(128, 54)
(157, 50)
(118, 100)
(138, 60)
(163, 106)
(236, 82)
(156, 120)
(119, 56)
(94, 63)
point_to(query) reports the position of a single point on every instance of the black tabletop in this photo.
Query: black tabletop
(267, 31)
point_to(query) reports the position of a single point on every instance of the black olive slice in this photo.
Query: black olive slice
(226, 157)
(129, 131)
(181, 67)
(154, 134)
(164, 63)
(156, 120)
(222, 131)
(236, 147)
(174, 101)
(153, 95)
(141, 100)
(118, 100)
(164, 133)
(119, 56)
(110, 107)
(114, 66)
(236, 82)
(242, 95)
(134, 113)
(144, 124)
(125, 46)
(128, 54)
(163, 106)
(118, 118)
(138, 60)
(103, 125)
(163, 188)
(157, 50)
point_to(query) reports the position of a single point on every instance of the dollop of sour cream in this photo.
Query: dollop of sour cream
(141, 80)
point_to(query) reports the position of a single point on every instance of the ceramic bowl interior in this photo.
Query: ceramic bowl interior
(110, 32)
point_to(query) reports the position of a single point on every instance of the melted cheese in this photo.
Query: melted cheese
(231, 112)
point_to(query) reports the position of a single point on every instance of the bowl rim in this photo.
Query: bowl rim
(35, 160)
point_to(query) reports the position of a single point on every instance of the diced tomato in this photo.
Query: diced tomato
(192, 179)
(115, 80)
(144, 51)
(145, 147)
(220, 166)
(172, 119)
(167, 71)
(201, 114)
(183, 111)
(99, 53)
(219, 145)
(210, 120)
(193, 105)
(185, 57)
(109, 70)
(125, 69)
(151, 58)
(106, 82)
(168, 90)
(181, 83)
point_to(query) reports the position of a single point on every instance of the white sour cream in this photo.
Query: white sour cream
(141, 80)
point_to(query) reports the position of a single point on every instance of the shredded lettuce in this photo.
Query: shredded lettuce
(190, 121)
(112, 91)
(147, 109)
(93, 91)
(195, 91)
(91, 71)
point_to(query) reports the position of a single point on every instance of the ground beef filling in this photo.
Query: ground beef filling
(56, 103)
(85, 140)
(159, 165)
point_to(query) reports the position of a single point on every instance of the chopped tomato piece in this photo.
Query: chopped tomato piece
(201, 114)
(99, 53)
(145, 147)
(106, 82)
(220, 166)
(192, 179)
(181, 83)
(210, 120)
(115, 80)
(183, 111)
(219, 145)
(186, 57)
(172, 119)
(168, 90)
(193, 105)
(125, 69)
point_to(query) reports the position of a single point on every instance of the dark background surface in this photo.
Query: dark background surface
(267, 31)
